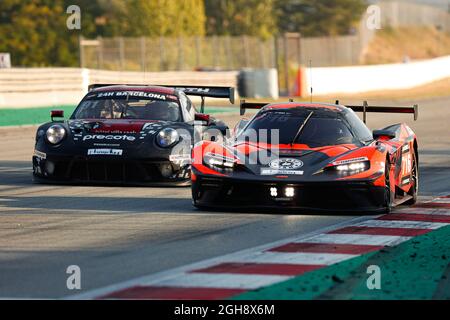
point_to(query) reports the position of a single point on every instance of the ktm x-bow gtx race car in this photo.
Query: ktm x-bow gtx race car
(309, 156)
(126, 134)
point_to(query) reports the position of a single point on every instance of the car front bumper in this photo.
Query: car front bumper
(106, 171)
(352, 196)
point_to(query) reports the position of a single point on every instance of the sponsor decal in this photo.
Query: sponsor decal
(179, 157)
(138, 94)
(286, 164)
(105, 152)
(406, 164)
(107, 145)
(109, 137)
(195, 90)
(40, 155)
(295, 153)
(114, 132)
(273, 172)
(153, 125)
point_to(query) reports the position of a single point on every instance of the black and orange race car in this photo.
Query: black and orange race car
(309, 156)
(126, 134)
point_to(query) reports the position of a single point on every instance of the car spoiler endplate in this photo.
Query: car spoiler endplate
(250, 105)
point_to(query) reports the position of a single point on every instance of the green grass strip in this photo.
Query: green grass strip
(30, 116)
(416, 269)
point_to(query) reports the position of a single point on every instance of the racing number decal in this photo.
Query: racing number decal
(406, 164)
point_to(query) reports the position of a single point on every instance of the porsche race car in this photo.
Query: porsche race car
(309, 156)
(126, 134)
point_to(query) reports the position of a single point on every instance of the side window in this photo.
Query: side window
(187, 107)
(358, 127)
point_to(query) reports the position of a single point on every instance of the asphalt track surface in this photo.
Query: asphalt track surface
(118, 234)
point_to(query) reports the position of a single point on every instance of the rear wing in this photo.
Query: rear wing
(385, 109)
(210, 92)
(251, 105)
(203, 92)
(365, 108)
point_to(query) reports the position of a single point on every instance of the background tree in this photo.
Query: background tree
(241, 17)
(154, 17)
(94, 15)
(319, 18)
(34, 31)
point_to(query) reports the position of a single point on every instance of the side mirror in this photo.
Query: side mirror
(378, 134)
(203, 117)
(56, 114)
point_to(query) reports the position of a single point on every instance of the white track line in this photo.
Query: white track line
(223, 281)
(441, 200)
(3, 170)
(400, 224)
(181, 271)
(359, 239)
(295, 258)
(438, 211)
(180, 277)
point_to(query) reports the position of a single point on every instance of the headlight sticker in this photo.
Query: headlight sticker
(348, 161)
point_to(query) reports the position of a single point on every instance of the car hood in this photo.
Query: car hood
(114, 132)
(257, 157)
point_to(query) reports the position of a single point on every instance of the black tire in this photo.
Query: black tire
(415, 177)
(388, 194)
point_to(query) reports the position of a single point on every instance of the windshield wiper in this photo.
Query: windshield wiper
(300, 130)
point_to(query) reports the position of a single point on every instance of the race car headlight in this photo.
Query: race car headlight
(351, 166)
(167, 137)
(219, 161)
(55, 134)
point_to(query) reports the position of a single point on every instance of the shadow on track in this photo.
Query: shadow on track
(150, 205)
(17, 174)
(98, 205)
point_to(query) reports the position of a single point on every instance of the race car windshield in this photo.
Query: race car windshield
(322, 129)
(126, 107)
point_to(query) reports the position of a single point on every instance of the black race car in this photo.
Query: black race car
(126, 134)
